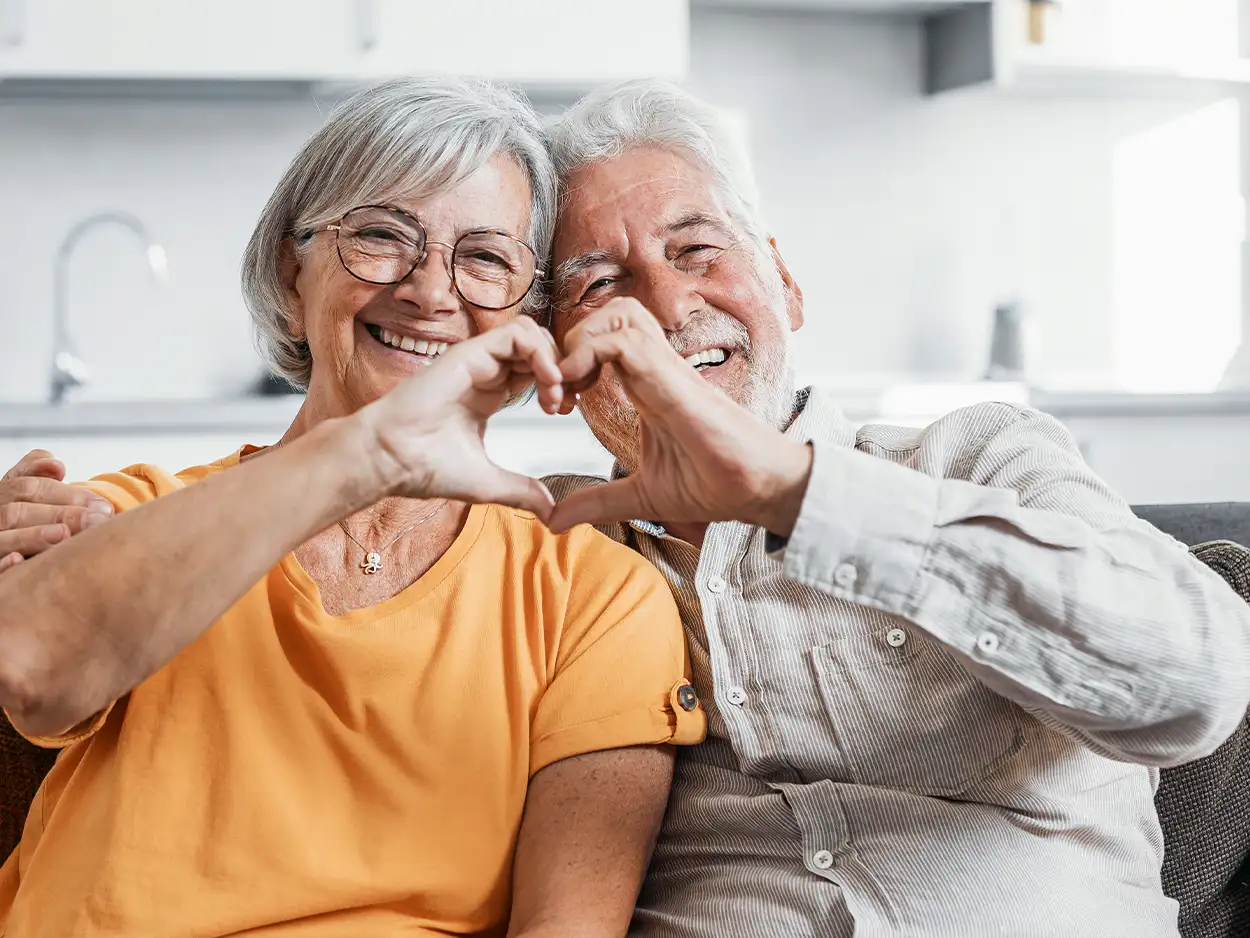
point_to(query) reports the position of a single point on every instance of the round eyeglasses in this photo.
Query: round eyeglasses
(382, 244)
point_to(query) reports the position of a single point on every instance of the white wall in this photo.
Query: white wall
(197, 173)
(904, 217)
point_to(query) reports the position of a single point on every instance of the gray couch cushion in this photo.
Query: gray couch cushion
(1201, 522)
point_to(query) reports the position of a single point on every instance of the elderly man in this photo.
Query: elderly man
(940, 666)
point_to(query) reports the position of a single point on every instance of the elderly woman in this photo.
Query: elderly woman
(335, 687)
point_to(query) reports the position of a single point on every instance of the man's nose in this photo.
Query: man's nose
(670, 295)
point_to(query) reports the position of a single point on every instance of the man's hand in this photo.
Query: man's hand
(427, 433)
(703, 458)
(38, 510)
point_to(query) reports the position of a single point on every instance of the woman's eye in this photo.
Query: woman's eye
(379, 234)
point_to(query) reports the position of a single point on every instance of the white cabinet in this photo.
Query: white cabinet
(153, 39)
(547, 43)
(559, 44)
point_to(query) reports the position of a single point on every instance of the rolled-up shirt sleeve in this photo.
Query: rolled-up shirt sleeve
(1015, 555)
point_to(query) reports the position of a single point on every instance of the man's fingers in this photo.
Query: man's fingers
(75, 518)
(38, 462)
(31, 541)
(613, 501)
(10, 560)
(50, 491)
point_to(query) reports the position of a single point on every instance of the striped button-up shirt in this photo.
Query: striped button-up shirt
(931, 713)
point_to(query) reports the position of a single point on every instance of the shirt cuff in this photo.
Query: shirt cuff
(681, 722)
(864, 528)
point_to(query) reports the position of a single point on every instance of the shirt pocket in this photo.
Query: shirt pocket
(908, 716)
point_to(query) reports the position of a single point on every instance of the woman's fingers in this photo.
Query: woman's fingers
(520, 348)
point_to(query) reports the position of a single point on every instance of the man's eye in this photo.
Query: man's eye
(597, 285)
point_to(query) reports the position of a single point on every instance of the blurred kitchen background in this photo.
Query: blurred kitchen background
(995, 199)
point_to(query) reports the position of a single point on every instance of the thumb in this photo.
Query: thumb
(502, 487)
(38, 463)
(614, 501)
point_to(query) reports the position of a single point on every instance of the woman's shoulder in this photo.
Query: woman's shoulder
(583, 550)
(143, 482)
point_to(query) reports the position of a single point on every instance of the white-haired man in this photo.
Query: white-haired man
(940, 666)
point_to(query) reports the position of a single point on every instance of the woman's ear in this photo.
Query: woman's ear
(288, 274)
(794, 293)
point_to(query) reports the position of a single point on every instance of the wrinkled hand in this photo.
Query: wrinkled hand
(703, 458)
(38, 510)
(427, 433)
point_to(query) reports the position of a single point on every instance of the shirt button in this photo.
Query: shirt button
(896, 638)
(716, 585)
(822, 859)
(736, 696)
(845, 575)
(987, 642)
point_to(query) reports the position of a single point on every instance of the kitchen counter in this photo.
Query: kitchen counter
(159, 417)
(266, 413)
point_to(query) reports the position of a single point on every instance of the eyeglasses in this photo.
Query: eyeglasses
(382, 244)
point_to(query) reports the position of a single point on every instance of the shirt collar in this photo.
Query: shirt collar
(815, 417)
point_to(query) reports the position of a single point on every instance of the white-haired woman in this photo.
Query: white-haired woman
(333, 687)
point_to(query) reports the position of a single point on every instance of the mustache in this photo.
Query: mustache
(710, 328)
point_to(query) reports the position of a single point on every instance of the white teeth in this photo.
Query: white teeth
(712, 356)
(409, 344)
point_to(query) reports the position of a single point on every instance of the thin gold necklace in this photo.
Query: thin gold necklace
(373, 558)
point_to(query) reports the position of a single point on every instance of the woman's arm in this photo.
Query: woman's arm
(83, 624)
(590, 824)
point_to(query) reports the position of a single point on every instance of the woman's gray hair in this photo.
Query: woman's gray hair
(400, 138)
(656, 113)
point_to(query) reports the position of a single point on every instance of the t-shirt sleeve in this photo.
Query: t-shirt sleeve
(620, 674)
(124, 490)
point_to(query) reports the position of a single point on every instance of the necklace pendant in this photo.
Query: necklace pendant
(372, 563)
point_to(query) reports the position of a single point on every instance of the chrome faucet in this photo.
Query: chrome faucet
(68, 370)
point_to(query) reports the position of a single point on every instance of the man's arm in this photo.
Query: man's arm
(1033, 572)
(1040, 579)
(589, 827)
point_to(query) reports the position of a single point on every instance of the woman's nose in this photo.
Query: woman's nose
(431, 285)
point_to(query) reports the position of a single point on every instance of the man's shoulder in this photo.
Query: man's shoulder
(956, 444)
(562, 486)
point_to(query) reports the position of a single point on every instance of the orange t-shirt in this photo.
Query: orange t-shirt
(296, 773)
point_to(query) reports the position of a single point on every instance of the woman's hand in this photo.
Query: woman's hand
(428, 432)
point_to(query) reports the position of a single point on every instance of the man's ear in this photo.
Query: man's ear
(288, 274)
(794, 293)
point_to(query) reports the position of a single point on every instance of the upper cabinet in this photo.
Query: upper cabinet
(187, 39)
(562, 44)
(1088, 47)
(546, 43)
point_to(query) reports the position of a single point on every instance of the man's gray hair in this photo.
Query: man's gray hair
(656, 113)
(405, 137)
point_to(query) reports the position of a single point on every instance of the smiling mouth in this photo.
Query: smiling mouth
(709, 358)
(418, 348)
